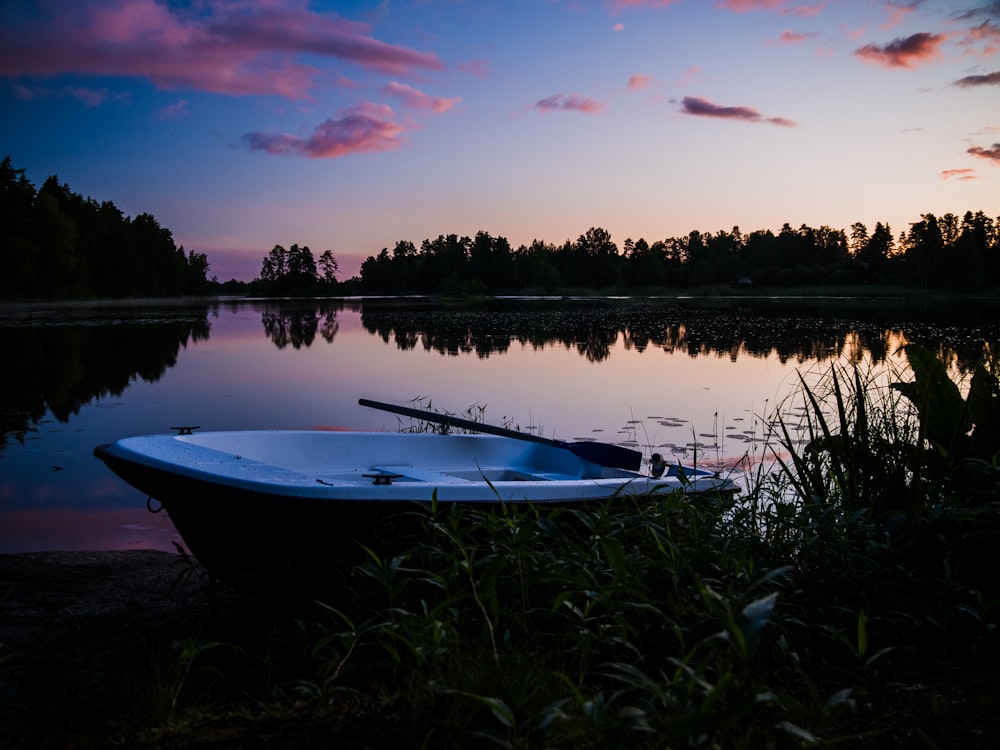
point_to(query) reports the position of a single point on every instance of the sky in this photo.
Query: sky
(350, 126)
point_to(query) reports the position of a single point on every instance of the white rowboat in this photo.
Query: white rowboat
(239, 496)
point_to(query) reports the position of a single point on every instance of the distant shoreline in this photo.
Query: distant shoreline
(858, 292)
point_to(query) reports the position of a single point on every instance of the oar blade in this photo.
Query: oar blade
(605, 454)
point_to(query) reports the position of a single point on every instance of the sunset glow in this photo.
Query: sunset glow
(349, 126)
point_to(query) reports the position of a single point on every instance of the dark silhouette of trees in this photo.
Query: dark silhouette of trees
(592, 260)
(924, 251)
(951, 253)
(18, 253)
(445, 263)
(293, 272)
(537, 268)
(328, 268)
(647, 265)
(491, 262)
(873, 255)
(56, 244)
(448, 264)
(945, 253)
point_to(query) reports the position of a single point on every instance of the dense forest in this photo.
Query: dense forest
(56, 244)
(940, 253)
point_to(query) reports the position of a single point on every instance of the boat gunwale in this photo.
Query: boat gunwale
(253, 475)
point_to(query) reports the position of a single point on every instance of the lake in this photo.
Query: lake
(693, 378)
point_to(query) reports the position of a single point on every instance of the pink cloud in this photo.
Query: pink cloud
(794, 37)
(572, 102)
(806, 11)
(989, 79)
(993, 153)
(222, 46)
(961, 174)
(903, 52)
(747, 6)
(344, 82)
(897, 13)
(478, 68)
(416, 99)
(856, 34)
(688, 75)
(693, 105)
(750, 6)
(638, 81)
(985, 34)
(617, 6)
(367, 127)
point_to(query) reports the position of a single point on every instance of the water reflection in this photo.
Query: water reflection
(288, 322)
(67, 357)
(685, 374)
(64, 358)
(592, 327)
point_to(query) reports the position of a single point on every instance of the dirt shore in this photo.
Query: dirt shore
(72, 613)
(73, 625)
(52, 600)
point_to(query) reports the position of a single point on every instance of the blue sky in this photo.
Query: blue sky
(241, 124)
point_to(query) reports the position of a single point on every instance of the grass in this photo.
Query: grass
(849, 599)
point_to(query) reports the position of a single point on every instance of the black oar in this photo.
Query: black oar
(599, 453)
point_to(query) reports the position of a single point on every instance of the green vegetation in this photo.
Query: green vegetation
(848, 599)
(56, 244)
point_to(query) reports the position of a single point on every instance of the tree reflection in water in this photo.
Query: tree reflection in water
(66, 357)
(806, 333)
(297, 322)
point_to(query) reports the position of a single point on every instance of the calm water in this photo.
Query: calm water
(657, 374)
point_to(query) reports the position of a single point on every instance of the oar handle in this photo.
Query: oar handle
(456, 422)
(599, 453)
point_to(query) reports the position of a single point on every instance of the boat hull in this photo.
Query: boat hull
(255, 539)
(271, 505)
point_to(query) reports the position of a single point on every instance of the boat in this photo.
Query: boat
(251, 500)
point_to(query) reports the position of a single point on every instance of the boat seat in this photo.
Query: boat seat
(414, 474)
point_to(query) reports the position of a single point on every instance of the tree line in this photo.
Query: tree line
(295, 272)
(56, 244)
(940, 253)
